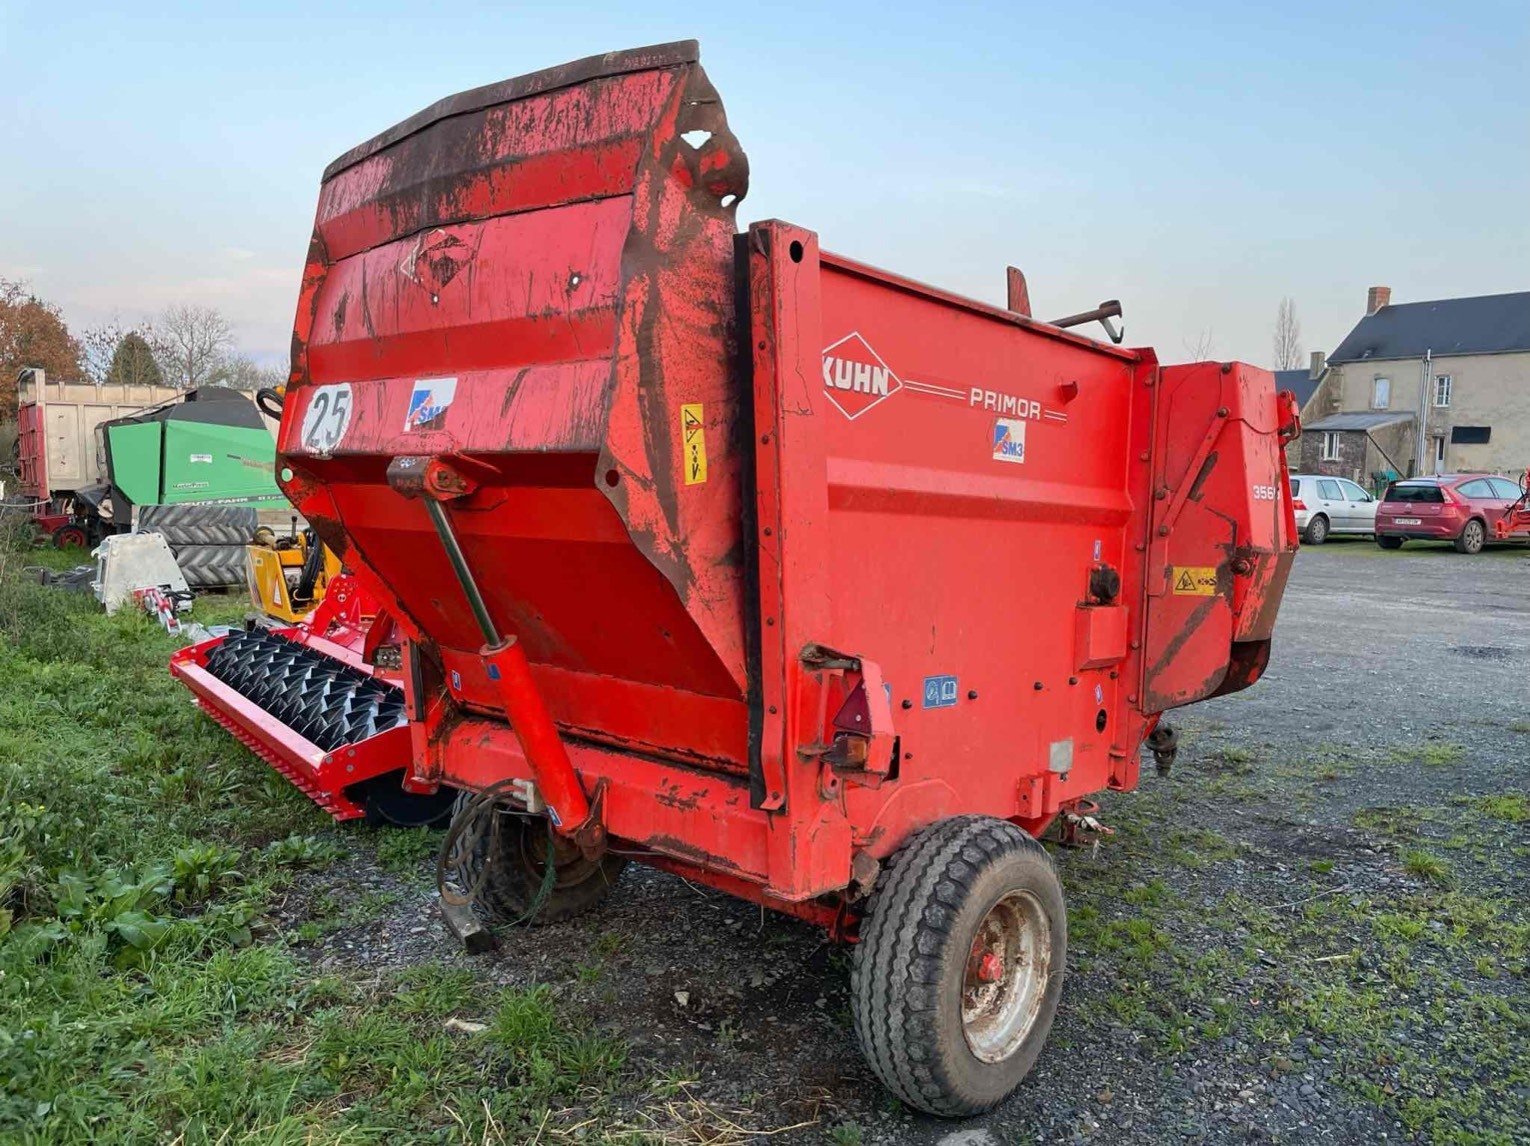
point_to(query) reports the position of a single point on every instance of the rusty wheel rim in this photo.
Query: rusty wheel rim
(1005, 981)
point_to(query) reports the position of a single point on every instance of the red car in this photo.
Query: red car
(1459, 508)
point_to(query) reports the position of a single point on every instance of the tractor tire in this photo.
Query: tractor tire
(1317, 531)
(211, 566)
(517, 872)
(960, 965)
(71, 537)
(198, 524)
(1473, 535)
(1390, 542)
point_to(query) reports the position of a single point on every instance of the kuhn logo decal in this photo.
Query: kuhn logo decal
(855, 378)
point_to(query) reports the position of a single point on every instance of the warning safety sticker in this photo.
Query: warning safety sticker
(693, 433)
(1194, 580)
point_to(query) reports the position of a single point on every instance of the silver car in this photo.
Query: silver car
(1327, 505)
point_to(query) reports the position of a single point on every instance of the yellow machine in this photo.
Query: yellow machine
(288, 575)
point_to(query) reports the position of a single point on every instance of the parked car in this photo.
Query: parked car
(1459, 508)
(1327, 505)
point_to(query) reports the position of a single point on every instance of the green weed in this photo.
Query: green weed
(1511, 806)
(1425, 865)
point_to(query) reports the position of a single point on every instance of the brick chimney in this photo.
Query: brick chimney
(1376, 298)
(1319, 361)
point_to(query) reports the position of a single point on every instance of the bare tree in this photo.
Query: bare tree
(192, 345)
(242, 372)
(1198, 349)
(1288, 337)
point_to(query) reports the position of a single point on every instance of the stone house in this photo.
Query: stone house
(1423, 388)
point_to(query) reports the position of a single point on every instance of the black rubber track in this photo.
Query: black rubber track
(907, 941)
(326, 702)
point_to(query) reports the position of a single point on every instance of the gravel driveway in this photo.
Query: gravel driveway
(1314, 930)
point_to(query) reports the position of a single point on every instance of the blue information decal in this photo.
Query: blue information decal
(940, 692)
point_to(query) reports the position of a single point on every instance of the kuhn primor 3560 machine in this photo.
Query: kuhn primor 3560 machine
(802, 579)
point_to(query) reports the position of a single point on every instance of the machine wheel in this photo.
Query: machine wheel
(388, 805)
(1389, 542)
(1473, 534)
(71, 537)
(1317, 531)
(518, 870)
(960, 965)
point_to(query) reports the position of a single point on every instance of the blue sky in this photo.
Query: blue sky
(1196, 160)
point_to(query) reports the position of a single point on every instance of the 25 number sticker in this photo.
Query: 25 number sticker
(327, 418)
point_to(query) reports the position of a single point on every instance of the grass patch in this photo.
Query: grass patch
(1511, 807)
(1434, 755)
(1413, 993)
(407, 851)
(144, 993)
(1425, 865)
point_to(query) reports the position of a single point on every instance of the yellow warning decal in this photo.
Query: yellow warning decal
(693, 432)
(1194, 580)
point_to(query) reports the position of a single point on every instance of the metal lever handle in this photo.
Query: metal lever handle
(459, 565)
(1101, 314)
(505, 664)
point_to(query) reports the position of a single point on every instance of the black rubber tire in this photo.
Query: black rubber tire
(389, 806)
(1390, 542)
(71, 537)
(1317, 531)
(211, 566)
(1473, 537)
(196, 524)
(514, 882)
(915, 941)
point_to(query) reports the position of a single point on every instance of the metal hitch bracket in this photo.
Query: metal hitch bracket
(435, 481)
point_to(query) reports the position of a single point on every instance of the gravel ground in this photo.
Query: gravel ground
(1311, 931)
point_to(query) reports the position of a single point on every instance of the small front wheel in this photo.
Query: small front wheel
(960, 965)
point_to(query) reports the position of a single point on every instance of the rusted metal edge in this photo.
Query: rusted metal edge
(535, 83)
(914, 286)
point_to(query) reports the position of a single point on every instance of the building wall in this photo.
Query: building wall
(1362, 456)
(1486, 390)
(1350, 464)
(1318, 404)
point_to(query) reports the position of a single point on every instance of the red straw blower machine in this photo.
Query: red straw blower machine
(757, 564)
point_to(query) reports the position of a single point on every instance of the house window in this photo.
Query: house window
(1330, 446)
(1381, 393)
(1470, 435)
(1442, 390)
